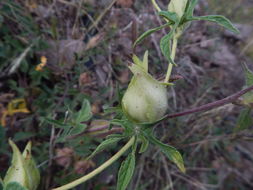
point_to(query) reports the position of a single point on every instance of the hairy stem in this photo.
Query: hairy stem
(173, 55)
(99, 169)
(206, 107)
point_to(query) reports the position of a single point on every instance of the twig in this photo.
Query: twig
(209, 106)
(101, 16)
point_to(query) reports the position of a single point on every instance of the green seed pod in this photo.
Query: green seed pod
(23, 169)
(145, 100)
(177, 6)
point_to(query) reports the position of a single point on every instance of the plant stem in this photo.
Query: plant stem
(212, 105)
(156, 5)
(173, 55)
(99, 169)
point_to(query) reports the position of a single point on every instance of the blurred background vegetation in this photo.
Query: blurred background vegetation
(60, 59)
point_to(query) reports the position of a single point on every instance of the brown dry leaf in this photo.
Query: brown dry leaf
(93, 42)
(82, 166)
(125, 3)
(64, 156)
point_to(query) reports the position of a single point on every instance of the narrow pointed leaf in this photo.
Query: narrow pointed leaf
(190, 8)
(126, 172)
(218, 19)
(172, 153)
(169, 16)
(248, 97)
(56, 123)
(144, 144)
(244, 121)
(165, 44)
(105, 144)
(147, 33)
(84, 113)
(248, 75)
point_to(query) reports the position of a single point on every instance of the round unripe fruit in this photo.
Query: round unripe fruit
(145, 100)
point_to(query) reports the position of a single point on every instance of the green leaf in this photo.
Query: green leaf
(84, 113)
(77, 129)
(219, 19)
(126, 172)
(149, 32)
(106, 143)
(244, 121)
(190, 8)
(172, 153)
(56, 123)
(14, 186)
(247, 99)
(165, 44)
(248, 75)
(128, 126)
(144, 144)
(172, 17)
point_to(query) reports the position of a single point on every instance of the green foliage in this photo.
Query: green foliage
(73, 124)
(244, 120)
(190, 8)
(171, 153)
(126, 171)
(165, 44)
(172, 17)
(144, 144)
(218, 19)
(84, 114)
(177, 24)
(148, 33)
(107, 143)
(72, 110)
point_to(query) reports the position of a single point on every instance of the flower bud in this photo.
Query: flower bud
(23, 169)
(177, 6)
(145, 100)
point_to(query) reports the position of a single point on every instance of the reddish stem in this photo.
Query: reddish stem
(209, 106)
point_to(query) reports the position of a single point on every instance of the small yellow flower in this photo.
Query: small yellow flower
(43, 62)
